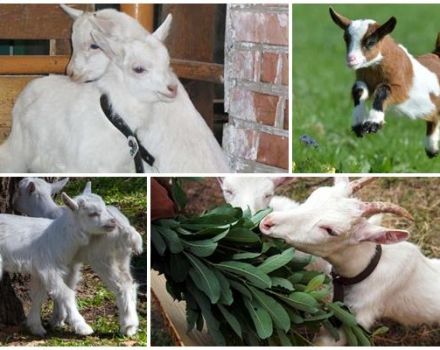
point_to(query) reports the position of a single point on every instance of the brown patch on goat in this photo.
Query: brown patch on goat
(398, 76)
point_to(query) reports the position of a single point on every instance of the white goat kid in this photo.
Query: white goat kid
(34, 197)
(255, 193)
(109, 255)
(177, 134)
(46, 248)
(404, 286)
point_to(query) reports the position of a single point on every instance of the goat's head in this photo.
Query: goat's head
(90, 212)
(34, 196)
(363, 39)
(331, 219)
(254, 193)
(143, 65)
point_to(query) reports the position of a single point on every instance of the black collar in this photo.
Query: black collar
(339, 281)
(137, 151)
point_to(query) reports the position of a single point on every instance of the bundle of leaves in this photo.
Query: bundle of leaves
(246, 288)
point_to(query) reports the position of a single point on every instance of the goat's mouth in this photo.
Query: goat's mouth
(109, 227)
(167, 96)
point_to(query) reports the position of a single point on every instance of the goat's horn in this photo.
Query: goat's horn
(356, 185)
(372, 208)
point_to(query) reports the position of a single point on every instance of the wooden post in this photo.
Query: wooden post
(144, 14)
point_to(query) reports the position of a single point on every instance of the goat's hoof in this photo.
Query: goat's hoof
(431, 154)
(371, 127)
(129, 331)
(358, 130)
(83, 329)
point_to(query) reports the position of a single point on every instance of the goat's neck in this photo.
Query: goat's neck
(50, 210)
(69, 235)
(352, 260)
(128, 107)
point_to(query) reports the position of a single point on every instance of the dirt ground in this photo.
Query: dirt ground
(421, 196)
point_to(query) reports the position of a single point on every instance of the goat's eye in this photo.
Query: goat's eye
(93, 215)
(268, 195)
(94, 46)
(329, 231)
(139, 70)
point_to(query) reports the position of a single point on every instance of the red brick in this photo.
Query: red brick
(244, 65)
(265, 108)
(273, 150)
(285, 69)
(269, 28)
(269, 67)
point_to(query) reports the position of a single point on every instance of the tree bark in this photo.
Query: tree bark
(11, 308)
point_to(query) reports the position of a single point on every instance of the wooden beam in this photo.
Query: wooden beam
(210, 72)
(143, 13)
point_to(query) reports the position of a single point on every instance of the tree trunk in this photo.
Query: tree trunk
(11, 309)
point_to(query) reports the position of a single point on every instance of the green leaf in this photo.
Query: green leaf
(259, 216)
(231, 319)
(344, 316)
(301, 301)
(202, 248)
(226, 210)
(319, 316)
(361, 337)
(170, 223)
(276, 311)
(242, 236)
(212, 232)
(248, 271)
(179, 267)
(213, 220)
(245, 255)
(295, 317)
(321, 294)
(240, 288)
(349, 335)
(315, 283)
(173, 241)
(261, 319)
(331, 329)
(380, 331)
(204, 278)
(276, 261)
(226, 296)
(284, 340)
(178, 194)
(191, 318)
(282, 283)
(158, 242)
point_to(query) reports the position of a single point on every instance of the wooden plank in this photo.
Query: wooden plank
(57, 64)
(10, 87)
(34, 21)
(175, 314)
(143, 13)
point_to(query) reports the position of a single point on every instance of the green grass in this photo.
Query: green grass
(322, 83)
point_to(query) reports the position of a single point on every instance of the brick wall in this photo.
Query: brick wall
(256, 138)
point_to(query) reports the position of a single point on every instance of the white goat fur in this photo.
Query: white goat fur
(46, 248)
(404, 286)
(109, 255)
(167, 125)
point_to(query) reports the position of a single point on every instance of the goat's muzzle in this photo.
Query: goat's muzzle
(372, 208)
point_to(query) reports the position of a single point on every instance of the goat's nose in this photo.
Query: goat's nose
(266, 224)
(113, 221)
(172, 88)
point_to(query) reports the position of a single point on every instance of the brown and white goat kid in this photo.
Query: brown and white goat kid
(392, 77)
(404, 285)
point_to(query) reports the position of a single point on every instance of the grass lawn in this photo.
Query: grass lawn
(95, 302)
(322, 83)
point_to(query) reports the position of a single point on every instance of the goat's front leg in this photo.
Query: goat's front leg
(359, 93)
(61, 293)
(376, 116)
(116, 276)
(38, 296)
(59, 313)
(432, 138)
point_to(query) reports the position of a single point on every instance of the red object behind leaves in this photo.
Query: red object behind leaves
(162, 205)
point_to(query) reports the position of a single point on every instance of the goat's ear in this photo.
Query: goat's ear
(111, 48)
(380, 235)
(384, 29)
(104, 25)
(341, 21)
(30, 187)
(73, 13)
(69, 202)
(162, 32)
(57, 186)
(88, 188)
